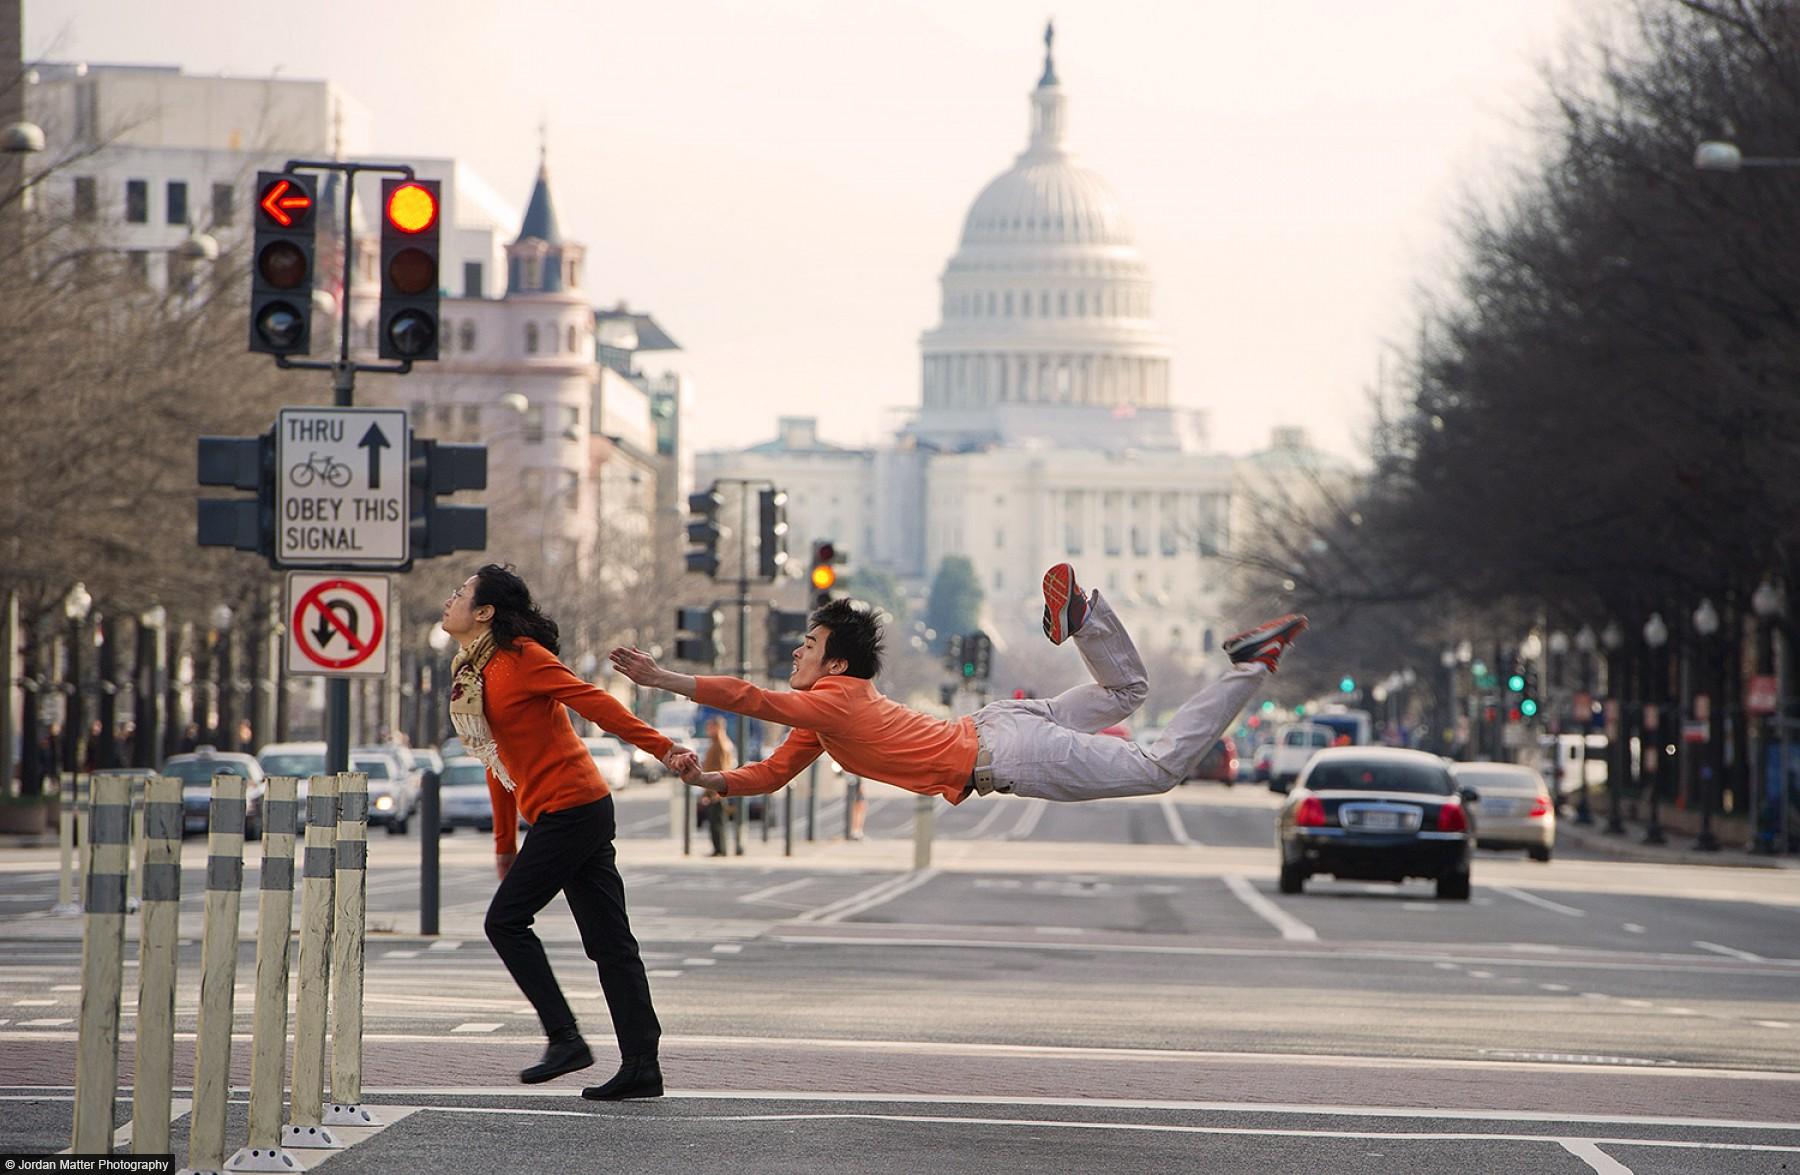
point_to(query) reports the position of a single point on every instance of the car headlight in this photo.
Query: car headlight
(384, 803)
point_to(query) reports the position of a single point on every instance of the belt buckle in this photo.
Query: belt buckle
(982, 778)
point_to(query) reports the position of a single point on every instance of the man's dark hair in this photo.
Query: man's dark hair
(855, 635)
(515, 613)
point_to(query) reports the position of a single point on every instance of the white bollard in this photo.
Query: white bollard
(218, 973)
(924, 826)
(306, 1128)
(274, 922)
(159, 943)
(102, 968)
(347, 954)
(66, 889)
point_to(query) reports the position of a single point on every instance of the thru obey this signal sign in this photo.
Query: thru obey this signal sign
(337, 624)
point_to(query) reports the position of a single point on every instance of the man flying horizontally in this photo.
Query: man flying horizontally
(1046, 749)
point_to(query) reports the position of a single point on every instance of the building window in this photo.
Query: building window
(419, 408)
(137, 202)
(1074, 522)
(531, 338)
(1081, 303)
(992, 302)
(224, 207)
(177, 201)
(999, 580)
(534, 273)
(571, 340)
(87, 198)
(449, 336)
(465, 336)
(471, 412)
(1140, 540)
(472, 279)
(1109, 523)
(1062, 303)
(1008, 303)
(443, 415)
(999, 540)
(1043, 303)
(1025, 304)
(571, 423)
(574, 275)
(140, 265)
(534, 424)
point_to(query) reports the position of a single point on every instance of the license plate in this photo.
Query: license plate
(1378, 821)
(1498, 807)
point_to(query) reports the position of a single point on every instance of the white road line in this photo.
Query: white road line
(1292, 929)
(1541, 903)
(1176, 828)
(1028, 820)
(1746, 956)
(400, 954)
(996, 809)
(1585, 1149)
(1594, 1157)
(1633, 928)
(907, 885)
(1758, 1023)
(695, 963)
(772, 890)
(34, 1003)
(727, 948)
(664, 973)
(445, 945)
(478, 1026)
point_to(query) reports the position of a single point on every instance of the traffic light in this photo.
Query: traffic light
(978, 656)
(786, 631)
(953, 654)
(1528, 705)
(823, 575)
(1346, 684)
(407, 323)
(703, 532)
(438, 467)
(245, 463)
(771, 549)
(281, 264)
(696, 636)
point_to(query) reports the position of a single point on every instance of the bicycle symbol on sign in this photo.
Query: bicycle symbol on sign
(322, 467)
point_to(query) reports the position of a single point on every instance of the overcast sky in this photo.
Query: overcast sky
(781, 183)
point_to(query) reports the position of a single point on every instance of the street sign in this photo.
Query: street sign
(337, 624)
(1762, 695)
(341, 487)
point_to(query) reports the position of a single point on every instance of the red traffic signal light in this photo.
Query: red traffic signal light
(412, 207)
(284, 201)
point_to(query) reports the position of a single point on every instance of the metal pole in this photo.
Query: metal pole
(107, 629)
(787, 821)
(72, 716)
(743, 644)
(812, 801)
(9, 673)
(430, 828)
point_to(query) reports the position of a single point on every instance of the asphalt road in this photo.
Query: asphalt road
(1072, 987)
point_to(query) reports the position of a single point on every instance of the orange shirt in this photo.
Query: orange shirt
(867, 734)
(523, 693)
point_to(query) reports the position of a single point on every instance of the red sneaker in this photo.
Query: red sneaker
(1065, 607)
(1265, 643)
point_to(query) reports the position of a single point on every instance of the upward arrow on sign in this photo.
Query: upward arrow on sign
(374, 441)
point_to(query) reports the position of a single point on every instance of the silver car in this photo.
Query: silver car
(1514, 811)
(463, 800)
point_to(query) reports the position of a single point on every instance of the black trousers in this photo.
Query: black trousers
(572, 851)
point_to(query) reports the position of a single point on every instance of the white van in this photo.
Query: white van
(1573, 753)
(1295, 744)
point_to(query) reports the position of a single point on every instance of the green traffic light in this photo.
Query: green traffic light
(1268, 707)
(1347, 685)
(1516, 683)
(1528, 707)
(968, 669)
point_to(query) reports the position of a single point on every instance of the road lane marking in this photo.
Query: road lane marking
(1594, 1157)
(1541, 903)
(664, 973)
(1176, 828)
(868, 899)
(1758, 1023)
(1746, 956)
(478, 1026)
(1448, 966)
(996, 809)
(34, 1003)
(1028, 820)
(727, 948)
(1633, 928)
(1292, 929)
(772, 890)
(1481, 975)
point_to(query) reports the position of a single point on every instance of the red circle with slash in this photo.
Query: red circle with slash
(361, 648)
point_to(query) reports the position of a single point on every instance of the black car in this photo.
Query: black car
(1377, 814)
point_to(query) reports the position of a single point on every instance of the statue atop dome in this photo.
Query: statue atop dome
(1049, 78)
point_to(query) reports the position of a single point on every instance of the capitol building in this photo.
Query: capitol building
(1045, 429)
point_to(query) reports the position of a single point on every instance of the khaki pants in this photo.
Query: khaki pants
(1047, 749)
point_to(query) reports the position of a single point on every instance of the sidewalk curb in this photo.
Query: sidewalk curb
(1629, 846)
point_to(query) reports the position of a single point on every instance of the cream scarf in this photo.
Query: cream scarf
(466, 712)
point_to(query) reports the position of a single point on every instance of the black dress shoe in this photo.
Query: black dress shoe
(637, 1077)
(560, 1056)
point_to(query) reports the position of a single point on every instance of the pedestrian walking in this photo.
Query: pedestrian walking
(1042, 748)
(507, 698)
(721, 755)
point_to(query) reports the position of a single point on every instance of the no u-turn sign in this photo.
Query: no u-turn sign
(337, 624)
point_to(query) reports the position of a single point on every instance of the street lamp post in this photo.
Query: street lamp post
(1585, 643)
(76, 606)
(1656, 636)
(1706, 624)
(1447, 721)
(1618, 766)
(1769, 603)
(152, 684)
(221, 618)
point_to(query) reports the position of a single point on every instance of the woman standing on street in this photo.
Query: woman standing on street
(507, 698)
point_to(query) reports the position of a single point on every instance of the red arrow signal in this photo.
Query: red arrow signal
(282, 196)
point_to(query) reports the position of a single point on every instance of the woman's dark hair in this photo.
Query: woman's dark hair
(515, 615)
(855, 635)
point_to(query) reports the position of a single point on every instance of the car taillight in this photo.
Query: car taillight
(1452, 819)
(1311, 813)
(1540, 806)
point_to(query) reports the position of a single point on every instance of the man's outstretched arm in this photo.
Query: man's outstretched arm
(814, 709)
(796, 751)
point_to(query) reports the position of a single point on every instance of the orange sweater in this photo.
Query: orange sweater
(866, 733)
(523, 693)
